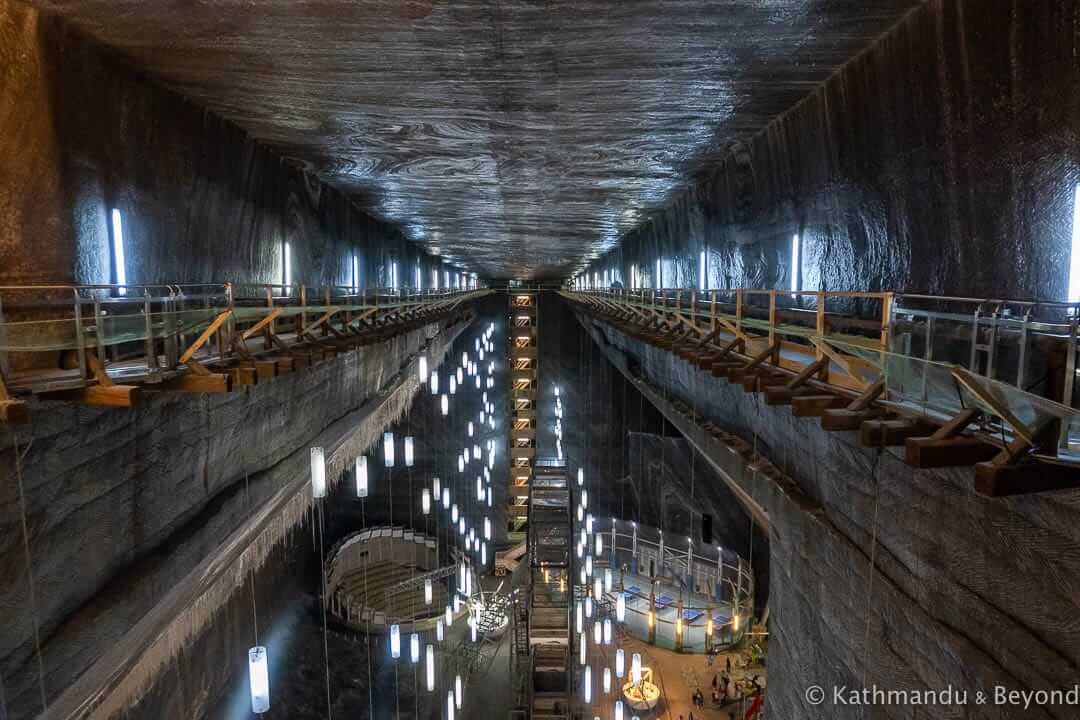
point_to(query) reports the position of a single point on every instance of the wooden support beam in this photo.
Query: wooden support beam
(14, 412)
(109, 395)
(206, 335)
(784, 395)
(261, 324)
(845, 419)
(243, 375)
(892, 433)
(806, 373)
(760, 380)
(815, 405)
(195, 383)
(947, 452)
(947, 448)
(1024, 477)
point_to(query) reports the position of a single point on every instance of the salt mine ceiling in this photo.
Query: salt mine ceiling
(516, 137)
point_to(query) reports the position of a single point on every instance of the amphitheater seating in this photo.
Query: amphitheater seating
(383, 574)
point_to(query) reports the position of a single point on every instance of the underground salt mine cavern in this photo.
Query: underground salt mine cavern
(527, 359)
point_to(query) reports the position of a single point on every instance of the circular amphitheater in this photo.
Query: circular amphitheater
(377, 577)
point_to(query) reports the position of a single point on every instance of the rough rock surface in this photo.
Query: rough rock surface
(965, 591)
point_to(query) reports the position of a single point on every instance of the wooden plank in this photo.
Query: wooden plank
(976, 388)
(784, 395)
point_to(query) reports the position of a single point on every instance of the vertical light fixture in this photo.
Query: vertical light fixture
(286, 265)
(355, 272)
(583, 646)
(423, 369)
(425, 501)
(395, 641)
(449, 705)
(1074, 257)
(258, 680)
(409, 457)
(659, 282)
(587, 686)
(607, 631)
(429, 665)
(635, 668)
(620, 663)
(414, 648)
(458, 693)
(703, 270)
(318, 473)
(434, 382)
(620, 607)
(418, 277)
(119, 265)
(388, 449)
(361, 477)
(607, 681)
(445, 405)
(796, 262)
(427, 591)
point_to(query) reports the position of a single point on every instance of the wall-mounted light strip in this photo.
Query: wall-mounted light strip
(796, 263)
(119, 266)
(703, 270)
(286, 265)
(1074, 257)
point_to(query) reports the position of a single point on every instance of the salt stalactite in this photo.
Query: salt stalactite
(121, 677)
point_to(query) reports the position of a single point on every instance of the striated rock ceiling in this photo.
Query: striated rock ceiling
(516, 137)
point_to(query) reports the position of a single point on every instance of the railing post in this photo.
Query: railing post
(80, 341)
(269, 330)
(772, 325)
(739, 309)
(712, 311)
(821, 329)
(303, 307)
(149, 346)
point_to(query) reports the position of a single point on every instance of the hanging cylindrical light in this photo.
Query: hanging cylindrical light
(318, 473)
(429, 666)
(409, 457)
(388, 449)
(487, 528)
(607, 681)
(439, 629)
(436, 487)
(361, 477)
(477, 383)
(453, 385)
(460, 376)
(461, 526)
(599, 545)
(607, 631)
(427, 591)
(449, 705)
(458, 693)
(395, 642)
(461, 463)
(597, 633)
(588, 606)
(434, 382)
(620, 663)
(470, 428)
(446, 498)
(580, 513)
(583, 579)
(454, 513)
(587, 685)
(464, 358)
(445, 402)
(580, 477)
(579, 614)
(449, 616)
(259, 680)
(620, 607)
(425, 501)
(635, 668)
(607, 580)
(479, 488)
(483, 553)
(585, 499)
(588, 565)
(489, 497)
(598, 588)
(423, 369)
(414, 648)
(583, 646)
(618, 710)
